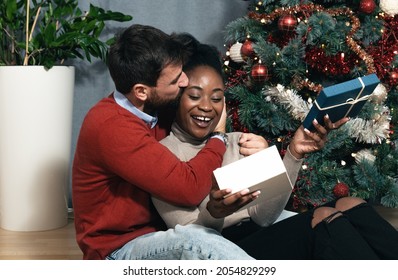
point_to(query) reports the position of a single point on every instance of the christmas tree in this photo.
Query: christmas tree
(283, 53)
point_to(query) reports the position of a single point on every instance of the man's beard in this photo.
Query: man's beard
(154, 102)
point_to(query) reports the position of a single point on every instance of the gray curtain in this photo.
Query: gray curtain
(205, 19)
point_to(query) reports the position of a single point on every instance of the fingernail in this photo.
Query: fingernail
(256, 194)
(327, 116)
(306, 130)
(315, 121)
(245, 191)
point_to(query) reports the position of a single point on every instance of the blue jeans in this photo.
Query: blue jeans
(191, 242)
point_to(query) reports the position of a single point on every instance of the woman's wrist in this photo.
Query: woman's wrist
(291, 149)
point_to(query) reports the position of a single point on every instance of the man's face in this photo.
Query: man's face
(171, 80)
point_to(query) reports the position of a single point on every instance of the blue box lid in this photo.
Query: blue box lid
(345, 99)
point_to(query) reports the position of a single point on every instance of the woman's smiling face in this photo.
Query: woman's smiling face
(202, 102)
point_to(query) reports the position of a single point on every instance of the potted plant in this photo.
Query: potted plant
(38, 39)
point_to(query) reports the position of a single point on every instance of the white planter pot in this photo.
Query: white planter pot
(35, 143)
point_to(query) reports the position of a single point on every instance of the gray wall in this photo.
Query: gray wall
(205, 19)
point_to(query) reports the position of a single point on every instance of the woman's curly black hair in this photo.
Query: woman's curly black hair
(199, 54)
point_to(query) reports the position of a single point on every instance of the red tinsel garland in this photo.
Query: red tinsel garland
(385, 50)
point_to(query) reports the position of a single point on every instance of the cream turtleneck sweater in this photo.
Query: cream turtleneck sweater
(185, 147)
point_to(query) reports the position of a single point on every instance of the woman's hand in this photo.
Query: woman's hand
(305, 141)
(220, 206)
(251, 143)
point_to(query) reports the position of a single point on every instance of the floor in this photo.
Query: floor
(60, 244)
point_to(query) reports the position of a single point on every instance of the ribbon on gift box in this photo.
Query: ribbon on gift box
(349, 101)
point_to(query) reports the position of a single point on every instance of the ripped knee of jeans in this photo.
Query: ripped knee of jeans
(324, 214)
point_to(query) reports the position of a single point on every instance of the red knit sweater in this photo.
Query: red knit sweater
(118, 163)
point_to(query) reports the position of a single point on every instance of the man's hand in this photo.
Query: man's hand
(223, 120)
(251, 143)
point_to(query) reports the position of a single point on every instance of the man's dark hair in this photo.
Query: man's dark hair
(139, 55)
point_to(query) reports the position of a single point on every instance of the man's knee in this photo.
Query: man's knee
(346, 203)
(326, 214)
(194, 231)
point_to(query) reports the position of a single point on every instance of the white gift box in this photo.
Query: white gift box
(263, 171)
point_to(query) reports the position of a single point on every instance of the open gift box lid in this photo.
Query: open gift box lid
(341, 100)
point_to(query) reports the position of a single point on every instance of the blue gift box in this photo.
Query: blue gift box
(341, 100)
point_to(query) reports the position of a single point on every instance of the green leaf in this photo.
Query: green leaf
(11, 9)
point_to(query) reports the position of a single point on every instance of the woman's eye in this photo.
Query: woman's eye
(194, 97)
(217, 98)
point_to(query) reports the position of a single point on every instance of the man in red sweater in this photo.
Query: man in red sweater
(119, 164)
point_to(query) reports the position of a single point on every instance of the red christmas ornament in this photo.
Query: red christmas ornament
(247, 49)
(287, 23)
(341, 190)
(394, 77)
(259, 73)
(367, 6)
